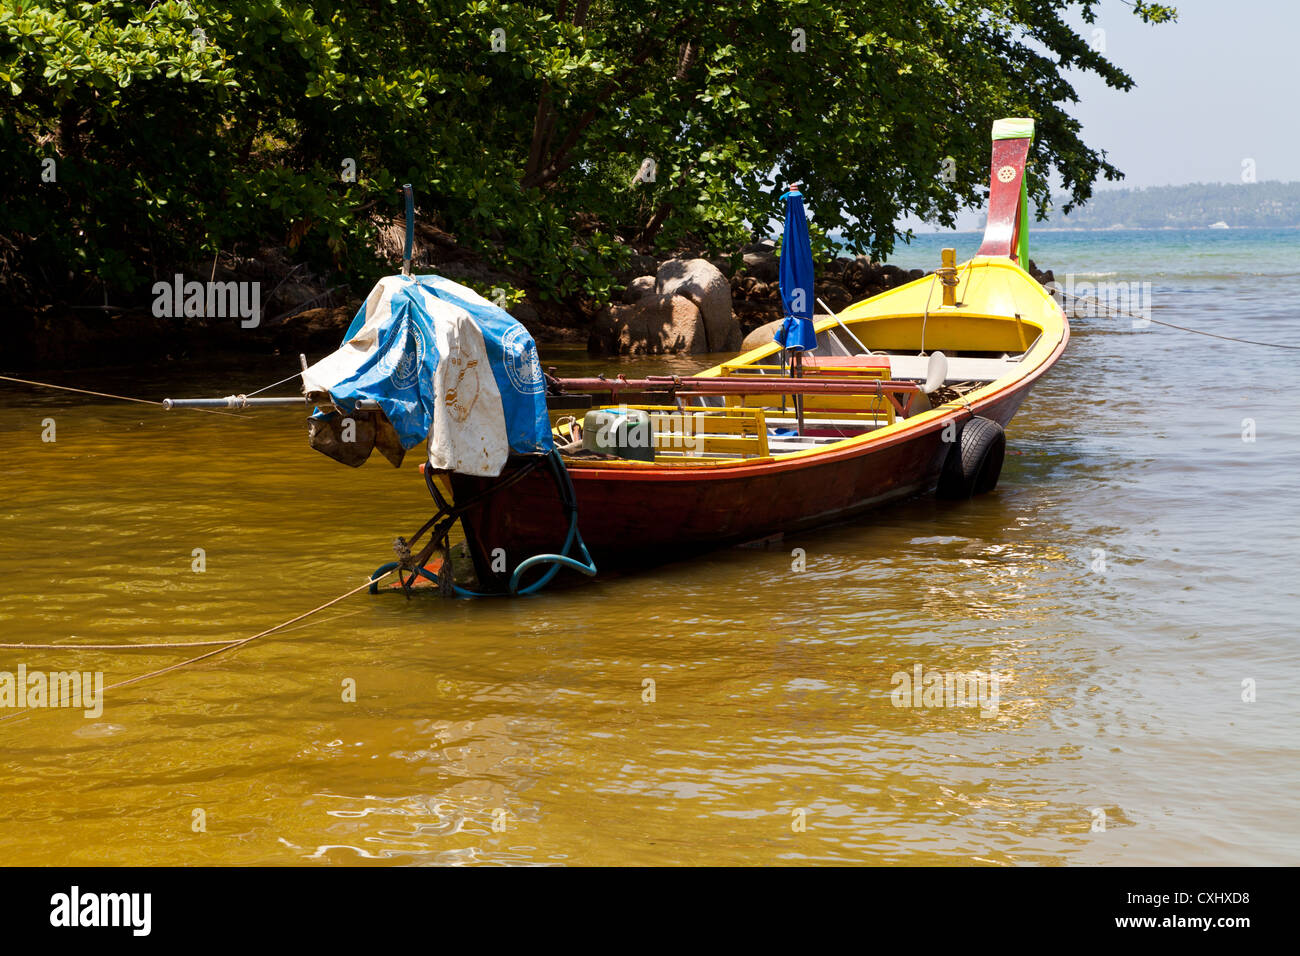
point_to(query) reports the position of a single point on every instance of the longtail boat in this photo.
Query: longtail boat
(905, 393)
(882, 418)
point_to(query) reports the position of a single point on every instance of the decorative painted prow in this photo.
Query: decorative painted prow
(1007, 232)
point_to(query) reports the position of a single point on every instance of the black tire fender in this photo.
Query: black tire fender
(974, 461)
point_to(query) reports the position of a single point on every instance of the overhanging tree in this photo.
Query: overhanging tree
(181, 128)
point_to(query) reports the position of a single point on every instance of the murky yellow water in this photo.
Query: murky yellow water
(1121, 683)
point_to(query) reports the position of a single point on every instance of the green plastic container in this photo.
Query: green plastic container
(624, 432)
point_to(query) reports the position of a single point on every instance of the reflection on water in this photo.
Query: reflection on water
(1132, 570)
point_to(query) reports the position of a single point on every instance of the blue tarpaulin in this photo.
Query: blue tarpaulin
(443, 364)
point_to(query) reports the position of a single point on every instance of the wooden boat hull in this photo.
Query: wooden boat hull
(639, 516)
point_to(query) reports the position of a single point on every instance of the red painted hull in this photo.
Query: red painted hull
(633, 518)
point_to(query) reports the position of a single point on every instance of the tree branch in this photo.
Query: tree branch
(560, 160)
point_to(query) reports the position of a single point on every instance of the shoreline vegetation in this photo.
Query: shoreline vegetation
(679, 302)
(1252, 205)
(1262, 205)
(1041, 228)
(558, 152)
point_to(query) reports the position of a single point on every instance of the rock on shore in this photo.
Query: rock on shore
(653, 325)
(703, 284)
(754, 299)
(685, 307)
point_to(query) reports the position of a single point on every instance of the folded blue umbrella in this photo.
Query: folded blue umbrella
(796, 275)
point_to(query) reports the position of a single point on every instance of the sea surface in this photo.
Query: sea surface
(1131, 583)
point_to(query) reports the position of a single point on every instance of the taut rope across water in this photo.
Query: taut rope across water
(142, 401)
(1181, 328)
(225, 646)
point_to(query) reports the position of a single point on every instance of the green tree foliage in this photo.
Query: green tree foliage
(179, 128)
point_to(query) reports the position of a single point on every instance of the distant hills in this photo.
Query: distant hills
(1267, 204)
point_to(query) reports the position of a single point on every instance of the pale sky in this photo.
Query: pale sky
(1220, 86)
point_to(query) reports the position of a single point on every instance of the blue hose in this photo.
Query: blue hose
(586, 566)
(392, 566)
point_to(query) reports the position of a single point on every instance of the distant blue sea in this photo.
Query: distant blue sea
(1241, 282)
(1134, 254)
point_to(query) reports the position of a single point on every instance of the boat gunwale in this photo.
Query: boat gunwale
(1021, 377)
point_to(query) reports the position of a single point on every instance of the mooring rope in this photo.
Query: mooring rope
(1181, 328)
(80, 391)
(225, 645)
(143, 401)
(273, 384)
(162, 645)
(113, 647)
(242, 641)
(120, 398)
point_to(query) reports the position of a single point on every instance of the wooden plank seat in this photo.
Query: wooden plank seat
(876, 409)
(848, 366)
(870, 408)
(904, 367)
(783, 425)
(837, 366)
(787, 444)
(960, 368)
(707, 432)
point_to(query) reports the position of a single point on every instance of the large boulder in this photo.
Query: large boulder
(703, 284)
(653, 325)
(761, 335)
(638, 289)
